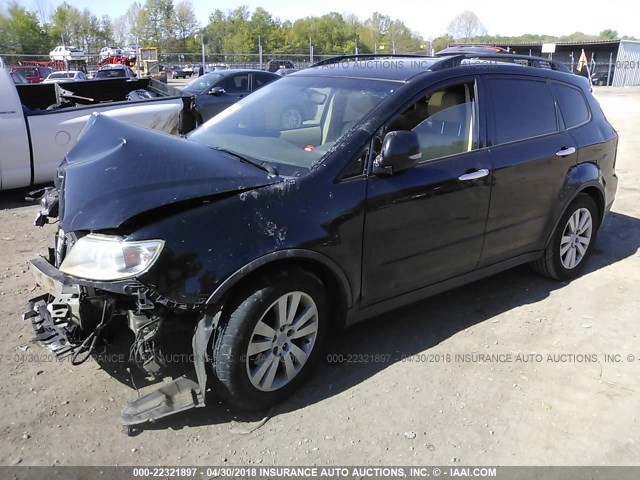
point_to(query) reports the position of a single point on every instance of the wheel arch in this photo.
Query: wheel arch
(597, 195)
(326, 269)
(595, 191)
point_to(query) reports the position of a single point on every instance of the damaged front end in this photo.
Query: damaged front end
(73, 317)
(115, 178)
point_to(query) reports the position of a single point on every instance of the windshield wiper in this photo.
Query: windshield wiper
(266, 166)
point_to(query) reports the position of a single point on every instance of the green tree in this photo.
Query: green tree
(21, 32)
(609, 34)
(185, 25)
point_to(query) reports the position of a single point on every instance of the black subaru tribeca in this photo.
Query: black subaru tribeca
(414, 175)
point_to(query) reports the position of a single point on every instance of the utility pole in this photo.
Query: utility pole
(356, 45)
(310, 52)
(203, 57)
(260, 50)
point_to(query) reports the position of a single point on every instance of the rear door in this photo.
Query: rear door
(532, 157)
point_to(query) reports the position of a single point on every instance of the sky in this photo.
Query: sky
(430, 18)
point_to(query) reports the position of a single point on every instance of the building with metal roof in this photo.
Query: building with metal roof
(611, 62)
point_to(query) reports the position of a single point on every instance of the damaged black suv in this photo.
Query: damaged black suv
(413, 176)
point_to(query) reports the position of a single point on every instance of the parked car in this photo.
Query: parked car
(65, 76)
(179, 72)
(33, 74)
(216, 68)
(40, 123)
(115, 71)
(63, 53)
(285, 71)
(216, 91)
(18, 78)
(264, 240)
(106, 52)
(275, 65)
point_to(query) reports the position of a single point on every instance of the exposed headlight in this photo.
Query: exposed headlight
(103, 257)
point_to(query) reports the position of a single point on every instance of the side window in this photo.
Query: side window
(573, 106)
(522, 109)
(446, 121)
(260, 80)
(356, 167)
(236, 84)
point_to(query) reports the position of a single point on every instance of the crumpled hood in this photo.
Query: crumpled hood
(116, 171)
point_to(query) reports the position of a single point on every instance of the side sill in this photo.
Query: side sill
(357, 315)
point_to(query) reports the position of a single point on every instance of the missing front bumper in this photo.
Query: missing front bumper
(51, 325)
(54, 316)
(55, 320)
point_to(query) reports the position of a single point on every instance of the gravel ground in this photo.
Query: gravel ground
(572, 406)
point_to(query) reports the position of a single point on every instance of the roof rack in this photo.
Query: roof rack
(538, 62)
(363, 56)
(454, 59)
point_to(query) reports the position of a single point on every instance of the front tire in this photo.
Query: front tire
(566, 254)
(272, 338)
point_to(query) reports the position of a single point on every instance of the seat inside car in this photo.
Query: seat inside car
(445, 130)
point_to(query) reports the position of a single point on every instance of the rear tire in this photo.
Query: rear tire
(568, 250)
(272, 338)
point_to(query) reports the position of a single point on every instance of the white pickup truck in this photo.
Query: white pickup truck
(39, 123)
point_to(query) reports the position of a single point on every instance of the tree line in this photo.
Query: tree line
(173, 27)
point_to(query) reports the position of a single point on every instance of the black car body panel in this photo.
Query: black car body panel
(479, 194)
(138, 170)
(293, 214)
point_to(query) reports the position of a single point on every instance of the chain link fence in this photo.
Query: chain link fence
(182, 59)
(602, 71)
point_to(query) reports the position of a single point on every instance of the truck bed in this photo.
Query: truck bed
(42, 96)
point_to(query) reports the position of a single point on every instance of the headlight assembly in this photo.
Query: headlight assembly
(103, 257)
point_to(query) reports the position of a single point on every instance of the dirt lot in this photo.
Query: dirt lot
(563, 410)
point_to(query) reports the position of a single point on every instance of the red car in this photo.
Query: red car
(33, 74)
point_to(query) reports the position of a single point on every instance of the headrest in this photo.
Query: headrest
(444, 99)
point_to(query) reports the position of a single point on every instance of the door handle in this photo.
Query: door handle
(563, 152)
(483, 172)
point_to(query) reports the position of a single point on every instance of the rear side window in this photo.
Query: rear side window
(522, 109)
(573, 106)
(261, 79)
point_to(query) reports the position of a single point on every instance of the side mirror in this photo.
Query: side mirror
(400, 151)
(216, 91)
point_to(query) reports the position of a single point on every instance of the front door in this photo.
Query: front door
(427, 224)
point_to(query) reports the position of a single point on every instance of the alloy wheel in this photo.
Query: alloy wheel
(282, 341)
(576, 238)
